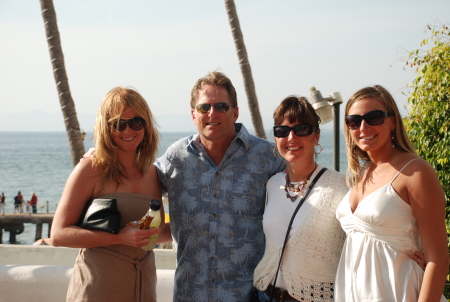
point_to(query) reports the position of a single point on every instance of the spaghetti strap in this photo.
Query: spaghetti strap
(402, 169)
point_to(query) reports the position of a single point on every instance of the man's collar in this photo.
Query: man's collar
(242, 134)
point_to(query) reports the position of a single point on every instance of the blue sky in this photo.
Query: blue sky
(162, 47)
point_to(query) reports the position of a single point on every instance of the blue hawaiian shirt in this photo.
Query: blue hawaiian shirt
(216, 214)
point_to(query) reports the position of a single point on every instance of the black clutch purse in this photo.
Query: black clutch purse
(101, 215)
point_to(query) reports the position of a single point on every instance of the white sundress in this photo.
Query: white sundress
(375, 263)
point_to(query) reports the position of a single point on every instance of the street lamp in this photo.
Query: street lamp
(323, 109)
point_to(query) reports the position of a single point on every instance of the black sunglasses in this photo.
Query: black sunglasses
(221, 107)
(135, 123)
(299, 130)
(372, 118)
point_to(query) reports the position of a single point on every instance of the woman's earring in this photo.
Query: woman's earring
(318, 152)
(354, 146)
(275, 152)
(392, 139)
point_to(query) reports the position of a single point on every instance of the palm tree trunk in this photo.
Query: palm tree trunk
(62, 83)
(245, 68)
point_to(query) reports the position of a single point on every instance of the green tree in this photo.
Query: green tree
(62, 83)
(428, 123)
(245, 68)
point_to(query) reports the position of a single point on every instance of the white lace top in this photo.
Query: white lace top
(315, 242)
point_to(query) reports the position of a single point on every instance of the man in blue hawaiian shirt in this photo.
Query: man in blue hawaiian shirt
(216, 182)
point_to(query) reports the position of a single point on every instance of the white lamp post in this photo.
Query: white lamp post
(323, 109)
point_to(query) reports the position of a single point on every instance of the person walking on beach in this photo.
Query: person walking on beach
(2, 203)
(18, 203)
(215, 181)
(33, 202)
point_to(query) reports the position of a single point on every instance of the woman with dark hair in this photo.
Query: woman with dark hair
(114, 267)
(396, 206)
(315, 239)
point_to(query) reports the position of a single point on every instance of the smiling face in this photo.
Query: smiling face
(214, 125)
(128, 139)
(367, 137)
(296, 149)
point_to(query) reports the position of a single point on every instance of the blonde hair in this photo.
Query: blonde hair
(109, 113)
(400, 139)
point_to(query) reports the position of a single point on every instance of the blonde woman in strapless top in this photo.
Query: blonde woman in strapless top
(114, 267)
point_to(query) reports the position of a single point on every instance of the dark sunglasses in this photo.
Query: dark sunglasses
(299, 130)
(372, 118)
(135, 123)
(221, 107)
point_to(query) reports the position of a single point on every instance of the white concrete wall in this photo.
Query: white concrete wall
(34, 283)
(21, 283)
(42, 273)
(63, 256)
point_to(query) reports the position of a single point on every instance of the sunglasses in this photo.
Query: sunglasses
(135, 123)
(220, 107)
(372, 118)
(299, 130)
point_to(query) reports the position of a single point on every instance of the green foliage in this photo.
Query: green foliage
(428, 123)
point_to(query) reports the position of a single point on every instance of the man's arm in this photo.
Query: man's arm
(419, 258)
(164, 235)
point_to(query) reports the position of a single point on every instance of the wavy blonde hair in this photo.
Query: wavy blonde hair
(354, 154)
(109, 113)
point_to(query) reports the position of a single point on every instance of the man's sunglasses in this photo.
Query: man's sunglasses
(221, 107)
(135, 123)
(372, 118)
(299, 130)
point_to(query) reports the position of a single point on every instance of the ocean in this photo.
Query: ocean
(41, 162)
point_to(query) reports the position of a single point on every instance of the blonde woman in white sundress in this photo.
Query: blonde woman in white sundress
(396, 206)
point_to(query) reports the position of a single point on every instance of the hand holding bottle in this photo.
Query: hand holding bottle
(151, 220)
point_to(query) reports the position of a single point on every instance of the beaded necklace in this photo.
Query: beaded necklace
(297, 188)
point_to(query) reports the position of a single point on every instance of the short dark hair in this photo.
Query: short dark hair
(297, 108)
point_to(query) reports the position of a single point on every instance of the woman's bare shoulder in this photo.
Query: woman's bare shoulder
(416, 166)
(418, 175)
(85, 171)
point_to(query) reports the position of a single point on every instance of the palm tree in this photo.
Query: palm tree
(245, 68)
(62, 83)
